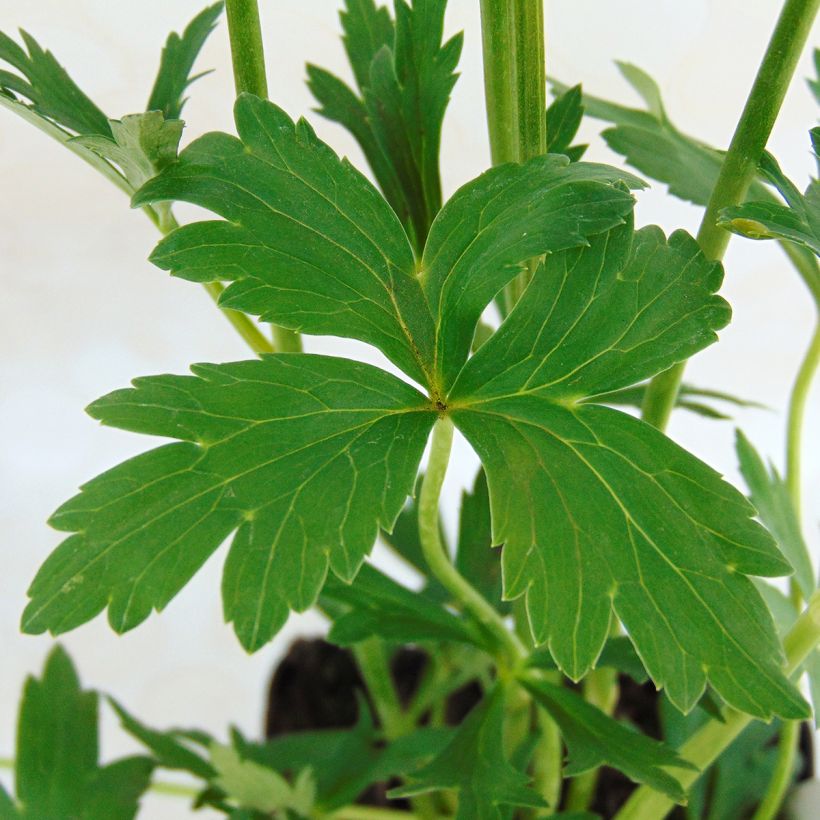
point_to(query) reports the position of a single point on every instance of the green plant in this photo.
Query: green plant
(620, 552)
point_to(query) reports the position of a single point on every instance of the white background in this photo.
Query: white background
(82, 311)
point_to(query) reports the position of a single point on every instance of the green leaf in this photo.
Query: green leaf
(307, 241)
(57, 773)
(564, 117)
(475, 559)
(618, 653)
(57, 746)
(770, 496)
(8, 808)
(814, 85)
(167, 747)
(259, 787)
(178, 57)
(649, 141)
(115, 790)
(378, 605)
(46, 88)
(494, 224)
(602, 511)
(303, 456)
(594, 739)
(797, 221)
(404, 73)
(474, 764)
(141, 145)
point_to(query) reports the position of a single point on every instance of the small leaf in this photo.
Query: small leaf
(57, 771)
(475, 559)
(594, 739)
(167, 747)
(770, 496)
(302, 456)
(258, 787)
(142, 145)
(378, 605)
(47, 88)
(178, 57)
(57, 746)
(474, 764)
(564, 117)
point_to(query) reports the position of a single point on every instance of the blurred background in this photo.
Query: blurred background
(82, 311)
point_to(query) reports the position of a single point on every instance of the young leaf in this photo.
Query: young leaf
(474, 764)
(141, 145)
(47, 88)
(168, 748)
(178, 57)
(404, 76)
(797, 221)
(650, 142)
(378, 605)
(57, 772)
(495, 223)
(475, 559)
(303, 456)
(594, 739)
(564, 117)
(603, 511)
(768, 493)
(259, 787)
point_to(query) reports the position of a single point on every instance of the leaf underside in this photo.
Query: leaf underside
(265, 446)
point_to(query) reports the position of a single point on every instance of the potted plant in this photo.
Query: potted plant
(599, 642)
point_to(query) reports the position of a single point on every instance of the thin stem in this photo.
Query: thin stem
(248, 60)
(374, 664)
(783, 772)
(740, 163)
(436, 556)
(797, 412)
(705, 745)
(254, 338)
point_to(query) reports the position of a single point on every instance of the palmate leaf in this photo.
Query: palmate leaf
(474, 763)
(602, 511)
(303, 456)
(57, 768)
(594, 739)
(310, 244)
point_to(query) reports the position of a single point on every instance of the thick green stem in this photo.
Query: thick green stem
(248, 59)
(247, 51)
(510, 648)
(740, 163)
(515, 90)
(705, 745)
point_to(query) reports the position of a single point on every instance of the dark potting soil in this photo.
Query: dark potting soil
(317, 685)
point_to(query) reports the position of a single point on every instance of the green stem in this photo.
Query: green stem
(705, 745)
(436, 556)
(374, 664)
(247, 51)
(783, 772)
(515, 90)
(740, 163)
(248, 60)
(797, 412)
